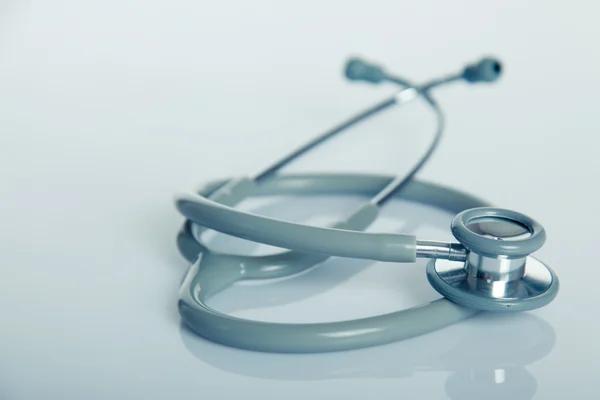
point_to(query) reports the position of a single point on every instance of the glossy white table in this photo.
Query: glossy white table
(109, 108)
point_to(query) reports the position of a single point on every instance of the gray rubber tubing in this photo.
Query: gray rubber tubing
(338, 241)
(211, 272)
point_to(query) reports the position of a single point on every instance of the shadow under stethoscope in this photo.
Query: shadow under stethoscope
(485, 356)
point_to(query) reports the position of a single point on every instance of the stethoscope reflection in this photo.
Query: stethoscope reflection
(485, 356)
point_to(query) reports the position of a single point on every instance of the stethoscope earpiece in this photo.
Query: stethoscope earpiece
(486, 70)
(499, 274)
(360, 70)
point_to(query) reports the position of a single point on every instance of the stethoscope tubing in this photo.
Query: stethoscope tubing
(210, 273)
(212, 207)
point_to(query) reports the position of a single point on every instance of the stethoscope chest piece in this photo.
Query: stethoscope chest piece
(499, 274)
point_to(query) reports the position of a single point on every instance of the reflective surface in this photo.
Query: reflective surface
(447, 251)
(498, 228)
(109, 107)
(471, 366)
(536, 286)
(496, 269)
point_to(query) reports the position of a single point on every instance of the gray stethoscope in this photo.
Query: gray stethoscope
(490, 269)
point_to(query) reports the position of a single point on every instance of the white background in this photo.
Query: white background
(108, 108)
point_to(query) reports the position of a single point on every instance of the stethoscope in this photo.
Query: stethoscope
(490, 269)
